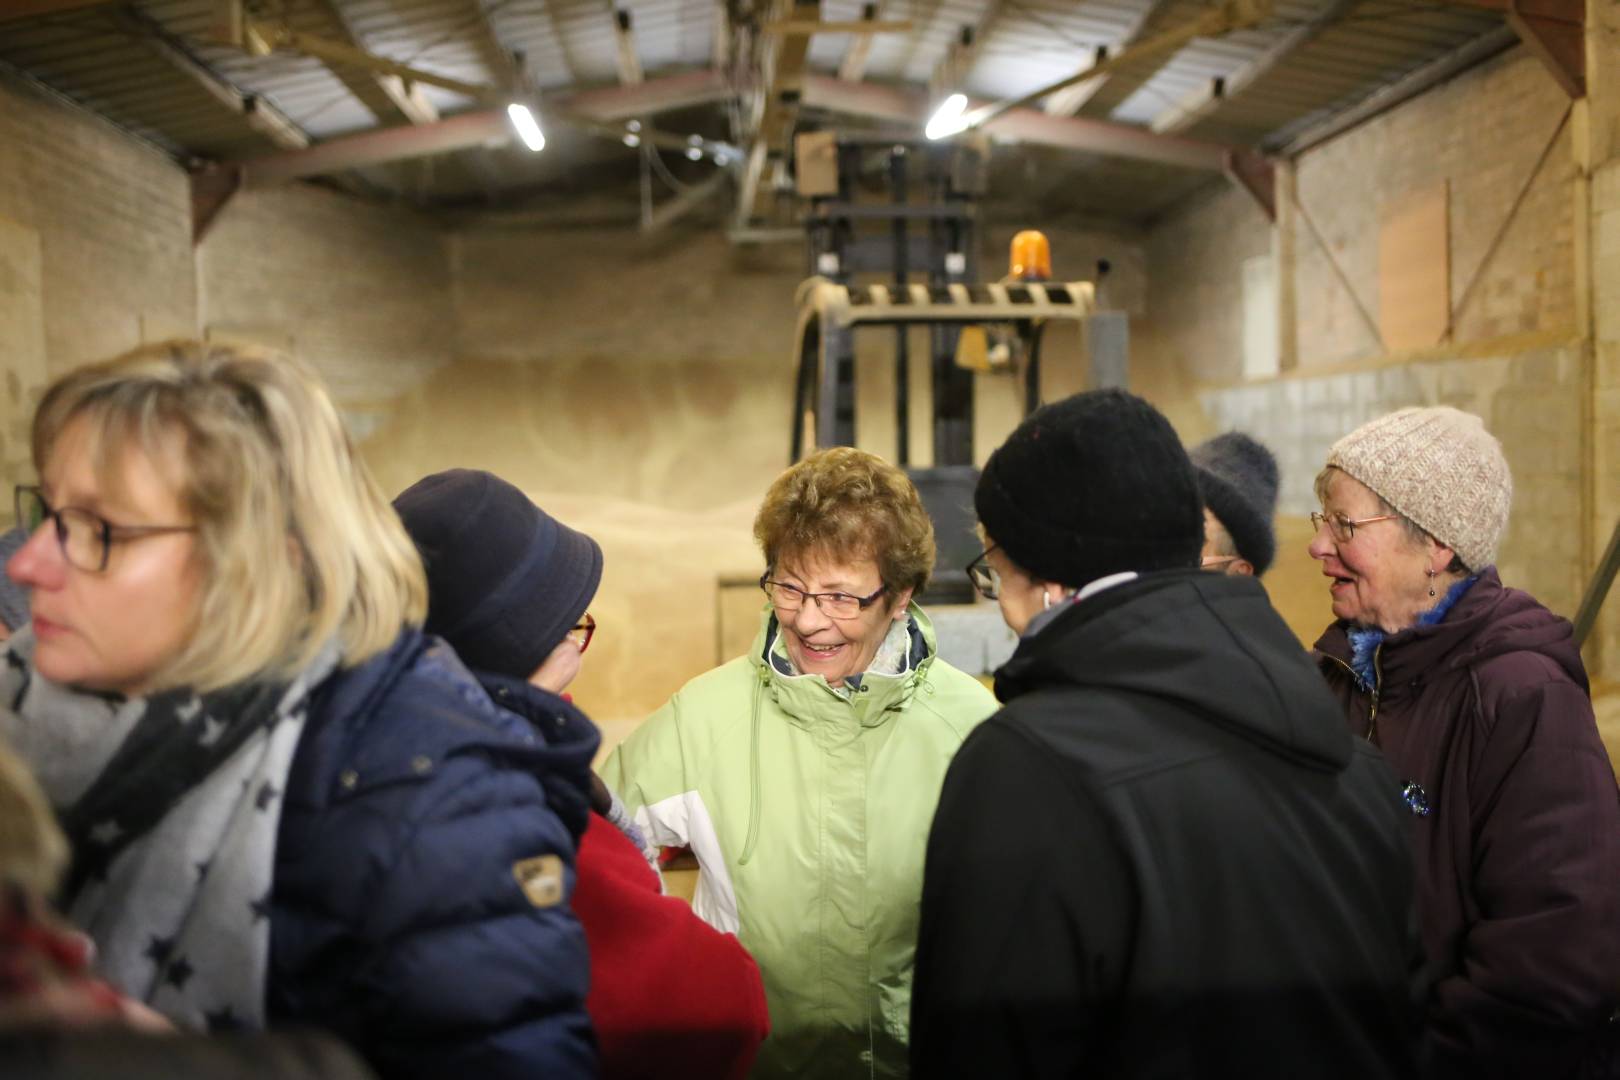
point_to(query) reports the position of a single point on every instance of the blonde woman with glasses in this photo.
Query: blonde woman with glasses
(804, 773)
(286, 805)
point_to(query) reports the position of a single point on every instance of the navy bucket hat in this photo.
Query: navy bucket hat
(506, 580)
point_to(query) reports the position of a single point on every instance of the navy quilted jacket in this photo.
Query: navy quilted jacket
(397, 920)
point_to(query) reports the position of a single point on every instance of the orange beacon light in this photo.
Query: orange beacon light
(1031, 257)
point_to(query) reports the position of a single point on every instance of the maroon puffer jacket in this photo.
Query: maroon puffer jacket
(1518, 855)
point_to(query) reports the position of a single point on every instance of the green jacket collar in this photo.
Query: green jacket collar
(808, 700)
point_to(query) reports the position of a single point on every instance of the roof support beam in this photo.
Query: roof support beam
(1423, 79)
(1208, 98)
(33, 9)
(502, 62)
(956, 68)
(629, 63)
(257, 113)
(1023, 125)
(1555, 30)
(853, 67)
(778, 112)
(599, 111)
(1071, 100)
(384, 92)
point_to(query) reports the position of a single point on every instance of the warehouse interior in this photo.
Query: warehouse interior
(1307, 212)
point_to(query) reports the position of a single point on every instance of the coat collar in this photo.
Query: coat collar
(808, 700)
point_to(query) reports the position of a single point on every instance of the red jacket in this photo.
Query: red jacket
(1516, 832)
(670, 995)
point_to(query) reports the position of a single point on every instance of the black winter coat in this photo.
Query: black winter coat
(1166, 857)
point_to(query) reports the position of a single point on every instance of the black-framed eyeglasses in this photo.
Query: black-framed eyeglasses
(86, 539)
(984, 576)
(834, 605)
(1343, 529)
(583, 631)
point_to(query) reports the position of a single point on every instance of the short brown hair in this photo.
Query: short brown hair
(849, 504)
(297, 545)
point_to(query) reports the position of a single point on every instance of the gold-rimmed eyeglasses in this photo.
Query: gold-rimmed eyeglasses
(1343, 529)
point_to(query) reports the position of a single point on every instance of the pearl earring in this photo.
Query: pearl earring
(1431, 582)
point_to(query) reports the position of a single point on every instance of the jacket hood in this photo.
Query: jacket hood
(1210, 643)
(1489, 620)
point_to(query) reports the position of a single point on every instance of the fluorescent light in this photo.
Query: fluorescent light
(947, 119)
(527, 127)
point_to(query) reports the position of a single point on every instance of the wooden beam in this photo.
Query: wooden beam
(1425, 78)
(777, 113)
(1209, 97)
(381, 89)
(630, 72)
(1554, 30)
(1070, 101)
(258, 114)
(956, 68)
(501, 61)
(853, 67)
(598, 111)
(559, 34)
(910, 109)
(12, 10)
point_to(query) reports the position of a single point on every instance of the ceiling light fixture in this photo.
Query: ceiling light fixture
(526, 125)
(947, 119)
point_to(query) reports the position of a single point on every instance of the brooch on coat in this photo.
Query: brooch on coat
(1415, 798)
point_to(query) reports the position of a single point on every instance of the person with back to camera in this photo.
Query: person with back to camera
(286, 804)
(1477, 695)
(510, 588)
(1237, 477)
(1164, 857)
(804, 773)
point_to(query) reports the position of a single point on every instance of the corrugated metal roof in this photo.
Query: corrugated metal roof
(94, 57)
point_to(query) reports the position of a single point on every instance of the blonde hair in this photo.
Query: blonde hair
(33, 851)
(849, 504)
(295, 542)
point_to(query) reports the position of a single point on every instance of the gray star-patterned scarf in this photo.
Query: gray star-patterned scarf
(172, 803)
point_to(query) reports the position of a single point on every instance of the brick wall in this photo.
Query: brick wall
(1482, 133)
(95, 252)
(361, 291)
(1516, 359)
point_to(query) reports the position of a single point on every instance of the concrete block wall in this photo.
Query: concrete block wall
(95, 250)
(1532, 402)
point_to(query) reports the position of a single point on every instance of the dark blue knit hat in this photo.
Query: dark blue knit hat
(1238, 478)
(506, 580)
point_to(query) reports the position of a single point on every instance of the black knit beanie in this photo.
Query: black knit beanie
(1238, 479)
(506, 580)
(1089, 486)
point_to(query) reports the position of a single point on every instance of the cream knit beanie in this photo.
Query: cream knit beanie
(1439, 467)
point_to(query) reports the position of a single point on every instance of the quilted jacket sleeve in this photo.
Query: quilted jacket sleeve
(426, 920)
(1539, 964)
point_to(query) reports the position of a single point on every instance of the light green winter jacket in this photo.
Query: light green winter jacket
(808, 809)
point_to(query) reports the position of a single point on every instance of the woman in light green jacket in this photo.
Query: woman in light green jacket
(804, 774)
